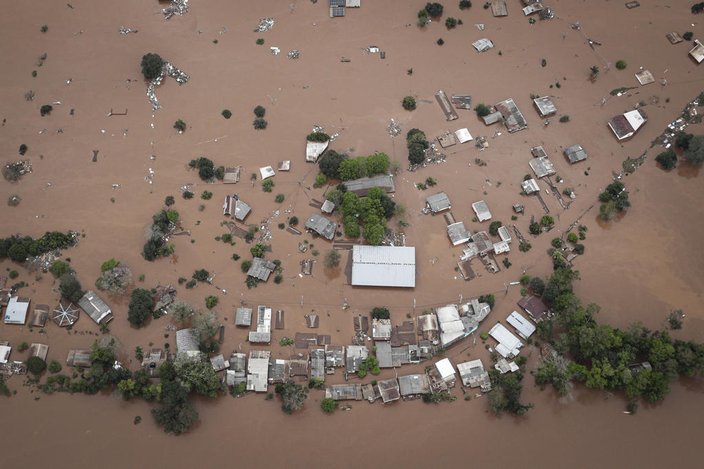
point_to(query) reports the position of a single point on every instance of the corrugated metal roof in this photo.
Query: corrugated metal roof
(384, 266)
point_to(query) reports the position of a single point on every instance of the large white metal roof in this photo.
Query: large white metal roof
(522, 325)
(509, 344)
(384, 266)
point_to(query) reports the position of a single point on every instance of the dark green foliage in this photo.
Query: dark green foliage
(329, 163)
(409, 103)
(18, 248)
(328, 405)
(451, 23)
(695, 150)
(293, 221)
(667, 159)
(175, 413)
(54, 366)
(70, 287)
(434, 9)
(494, 228)
(23, 149)
(579, 248)
(556, 243)
(380, 313)
(180, 125)
(440, 41)
(226, 113)
(211, 301)
(140, 308)
(45, 110)
(4, 390)
(505, 395)
(13, 274)
(260, 41)
(682, 140)
(268, 185)
(355, 168)
(482, 110)
(259, 123)
(44, 28)
(438, 397)
(59, 268)
(534, 228)
(205, 167)
(537, 286)
(151, 66)
(621, 64)
(465, 4)
(489, 299)
(169, 200)
(697, 8)
(417, 143)
(613, 200)
(109, 265)
(564, 118)
(292, 396)
(688, 36)
(259, 111)
(279, 198)
(318, 137)
(36, 365)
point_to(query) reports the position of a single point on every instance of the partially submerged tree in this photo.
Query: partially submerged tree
(141, 307)
(70, 287)
(292, 395)
(151, 65)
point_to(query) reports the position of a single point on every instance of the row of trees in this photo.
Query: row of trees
(18, 248)
(206, 169)
(363, 166)
(604, 357)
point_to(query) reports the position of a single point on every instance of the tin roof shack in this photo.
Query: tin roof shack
(492, 118)
(458, 233)
(503, 366)
(389, 390)
(187, 342)
(65, 314)
(263, 333)
(498, 8)
(79, 358)
(317, 364)
(545, 106)
(284, 165)
(334, 358)
(530, 186)
(384, 355)
(40, 315)
(95, 307)
(513, 119)
(297, 368)
(361, 186)
(473, 375)
(237, 372)
(697, 52)
(481, 209)
(438, 203)
(411, 386)
(277, 371)
(461, 101)
(463, 135)
(232, 175)
(163, 296)
(447, 139)
(243, 317)
(315, 149)
(235, 207)
(219, 363)
(344, 392)
(626, 125)
(404, 334)
(39, 350)
(322, 226)
(5, 351)
(384, 266)
(153, 360)
(381, 329)
(509, 345)
(533, 8)
(327, 207)
(442, 376)
(483, 45)
(446, 106)
(575, 154)
(674, 37)
(524, 327)
(261, 269)
(428, 327)
(258, 370)
(535, 307)
(354, 356)
(16, 311)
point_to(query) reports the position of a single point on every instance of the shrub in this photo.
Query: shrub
(409, 103)
(169, 200)
(320, 180)
(423, 19)
(695, 150)
(451, 23)
(23, 149)
(621, 64)
(211, 301)
(278, 278)
(328, 405)
(293, 221)
(13, 274)
(440, 42)
(697, 8)
(44, 28)
(23, 347)
(70, 287)
(14, 200)
(318, 137)
(180, 125)
(259, 123)
(260, 41)
(259, 111)
(59, 268)
(187, 195)
(109, 265)
(201, 275)
(667, 159)
(140, 307)
(267, 185)
(245, 265)
(572, 237)
(579, 248)
(36, 365)
(380, 313)
(494, 228)
(482, 110)
(556, 243)
(434, 9)
(465, 4)
(226, 113)
(279, 198)
(152, 65)
(54, 366)
(46, 109)
(564, 118)
(687, 36)
(332, 259)
(329, 163)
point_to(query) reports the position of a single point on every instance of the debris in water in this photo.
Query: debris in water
(265, 24)
(177, 7)
(124, 30)
(294, 54)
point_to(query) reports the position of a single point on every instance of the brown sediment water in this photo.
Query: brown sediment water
(638, 269)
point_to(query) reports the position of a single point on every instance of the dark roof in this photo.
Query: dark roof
(575, 154)
(534, 306)
(261, 269)
(321, 225)
(362, 185)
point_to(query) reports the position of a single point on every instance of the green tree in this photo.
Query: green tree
(140, 307)
(258, 250)
(180, 125)
(59, 268)
(259, 111)
(494, 228)
(328, 405)
(151, 65)
(332, 259)
(54, 366)
(197, 376)
(695, 151)
(181, 312)
(292, 396)
(329, 163)
(201, 275)
(70, 287)
(667, 159)
(36, 365)
(434, 9)
(175, 414)
(380, 313)
(409, 103)
(211, 301)
(465, 4)
(482, 110)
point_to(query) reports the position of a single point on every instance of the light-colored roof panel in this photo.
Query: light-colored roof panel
(384, 266)
(522, 325)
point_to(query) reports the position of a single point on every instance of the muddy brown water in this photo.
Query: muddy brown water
(638, 269)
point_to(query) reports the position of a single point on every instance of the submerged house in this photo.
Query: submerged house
(446, 106)
(438, 203)
(575, 154)
(235, 207)
(535, 307)
(354, 356)
(508, 344)
(261, 269)
(95, 307)
(413, 385)
(322, 226)
(545, 106)
(188, 342)
(458, 233)
(384, 266)
(263, 333)
(626, 125)
(513, 118)
(258, 370)
(362, 186)
(481, 209)
(697, 52)
(473, 375)
(16, 311)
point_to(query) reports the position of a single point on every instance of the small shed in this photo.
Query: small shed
(463, 135)
(530, 186)
(389, 390)
(39, 350)
(674, 37)
(499, 8)
(461, 101)
(284, 165)
(327, 207)
(79, 358)
(447, 139)
(645, 77)
(545, 106)
(322, 226)
(697, 52)
(481, 209)
(492, 118)
(446, 106)
(232, 175)
(501, 247)
(483, 45)
(243, 317)
(266, 172)
(5, 351)
(438, 203)
(512, 116)
(219, 363)
(575, 154)
(261, 269)
(446, 370)
(40, 316)
(315, 149)
(95, 307)
(542, 166)
(458, 233)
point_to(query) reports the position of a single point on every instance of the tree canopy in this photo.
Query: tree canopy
(329, 163)
(140, 308)
(695, 150)
(151, 65)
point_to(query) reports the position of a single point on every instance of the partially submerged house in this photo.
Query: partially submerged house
(461, 101)
(499, 8)
(452, 328)
(334, 358)
(232, 175)
(463, 135)
(79, 358)
(697, 52)
(261, 269)
(258, 370)
(522, 325)
(428, 327)
(40, 315)
(235, 207)
(384, 266)
(482, 243)
(473, 375)
(545, 106)
(315, 149)
(16, 311)
(344, 392)
(446, 106)
(266, 172)
(243, 317)
(413, 385)
(188, 342)
(381, 329)
(389, 390)
(219, 363)
(575, 154)
(674, 37)
(625, 126)
(362, 186)
(509, 345)
(354, 356)
(458, 233)
(530, 186)
(322, 226)
(317, 364)
(481, 209)
(504, 234)
(483, 45)
(237, 374)
(384, 354)
(535, 307)
(492, 118)
(438, 203)
(512, 116)
(442, 376)
(540, 164)
(263, 333)
(95, 307)
(39, 350)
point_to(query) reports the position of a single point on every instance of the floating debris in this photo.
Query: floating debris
(275, 50)
(393, 129)
(294, 54)
(177, 7)
(167, 70)
(265, 24)
(124, 30)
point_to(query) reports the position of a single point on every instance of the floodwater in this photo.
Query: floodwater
(638, 269)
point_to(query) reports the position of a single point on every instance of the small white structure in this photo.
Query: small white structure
(258, 370)
(524, 327)
(446, 370)
(501, 247)
(5, 351)
(697, 52)
(267, 172)
(504, 234)
(315, 149)
(483, 45)
(530, 186)
(509, 345)
(481, 209)
(263, 333)
(16, 311)
(463, 135)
